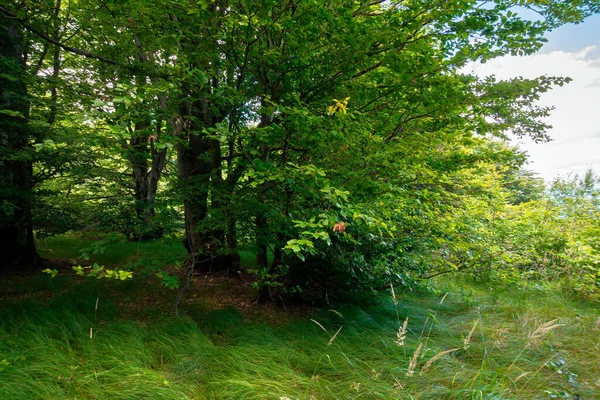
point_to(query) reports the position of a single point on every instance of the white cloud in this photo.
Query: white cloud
(575, 120)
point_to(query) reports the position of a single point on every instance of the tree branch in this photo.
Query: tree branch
(85, 53)
(367, 70)
(73, 50)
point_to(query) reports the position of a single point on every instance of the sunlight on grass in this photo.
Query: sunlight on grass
(46, 350)
(112, 251)
(465, 340)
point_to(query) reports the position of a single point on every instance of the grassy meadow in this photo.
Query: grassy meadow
(78, 338)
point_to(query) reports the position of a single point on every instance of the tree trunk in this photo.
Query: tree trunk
(231, 218)
(145, 180)
(159, 160)
(200, 159)
(55, 66)
(195, 169)
(17, 248)
(145, 177)
(232, 243)
(261, 221)
(137, 153)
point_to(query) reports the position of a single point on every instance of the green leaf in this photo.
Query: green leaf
(11, 113)
(52, 272)
(9, 77)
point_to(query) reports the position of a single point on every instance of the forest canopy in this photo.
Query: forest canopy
(343, 142)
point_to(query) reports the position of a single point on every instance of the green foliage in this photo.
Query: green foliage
(549, 239)
(343, 146)
(95, 271)
(346, 141)
(122, 258)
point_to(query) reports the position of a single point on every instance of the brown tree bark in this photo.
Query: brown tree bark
(210, 222)
(17, 247)
(146, 175)
(145, 178)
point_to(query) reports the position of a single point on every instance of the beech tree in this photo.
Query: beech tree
(333, 137)
(16, 176)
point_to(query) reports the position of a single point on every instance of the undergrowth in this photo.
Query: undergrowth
(75, 338)
(472, 344)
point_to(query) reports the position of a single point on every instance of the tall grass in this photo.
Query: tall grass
(467, 342)
(46, 351)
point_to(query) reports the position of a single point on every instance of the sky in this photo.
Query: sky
(573, 51)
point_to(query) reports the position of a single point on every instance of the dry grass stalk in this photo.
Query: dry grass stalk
(401, 334)
(398, 385)
(435, 358)
(375, 374)
(521, 376)
(499, 337)
(394, 295)
(334, 336)
(467, 340)
(320, 326)
(444, 298)
(536, 336)
(413, 361)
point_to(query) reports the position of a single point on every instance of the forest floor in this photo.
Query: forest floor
(70, 337)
